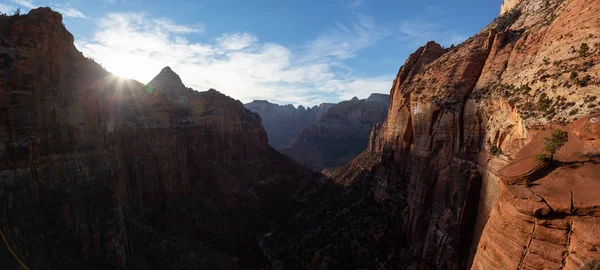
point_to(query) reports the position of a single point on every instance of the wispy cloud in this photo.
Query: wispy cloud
(236, 41)
(7, 9)
(178, 28)
(356, 3)
(343, 41)
(237, 64)
(68, 11)
(418, 32)
(25, 3)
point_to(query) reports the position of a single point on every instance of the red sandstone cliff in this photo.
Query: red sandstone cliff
(459, 115)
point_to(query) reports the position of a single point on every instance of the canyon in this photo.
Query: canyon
(324, 136)
(101, 172)
(338, 135)
(282, 123)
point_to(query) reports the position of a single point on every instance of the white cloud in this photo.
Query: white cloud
(7, 9)
(68, 11)
(419, 32)
(177, 28)
(236, 41)
(236, 64)
(344, 41)
(25, 3)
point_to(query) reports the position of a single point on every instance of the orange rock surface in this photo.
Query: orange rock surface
(459, 115)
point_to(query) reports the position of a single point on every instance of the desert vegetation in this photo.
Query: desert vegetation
(552, 144)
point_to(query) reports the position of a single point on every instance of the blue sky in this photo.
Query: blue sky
(286, 51)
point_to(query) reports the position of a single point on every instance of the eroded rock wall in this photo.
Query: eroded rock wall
(459, 115)
(339, 134)
(283, 123)
(102, 172)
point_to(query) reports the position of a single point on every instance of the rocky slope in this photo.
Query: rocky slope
(283, 123)
(553, 224)
(99, 172)
(340, 134)
(458, 116)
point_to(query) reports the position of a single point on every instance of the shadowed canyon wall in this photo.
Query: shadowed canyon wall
(458, 116)
(283, 123)
(340, 134)
(92, 166)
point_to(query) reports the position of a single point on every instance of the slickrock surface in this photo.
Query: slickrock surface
(99, 172)
(555, 223)
(283, 123)
(340, 134)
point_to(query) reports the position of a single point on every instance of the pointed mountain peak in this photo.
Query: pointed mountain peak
(169, 83)
(167, 69)
(166, 76)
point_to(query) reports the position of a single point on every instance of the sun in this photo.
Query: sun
(129, 66)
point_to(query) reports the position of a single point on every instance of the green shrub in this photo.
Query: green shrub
(546, 61)
(544, 77)
(584, 50)
(588, 99)
(574, 75)
(541, 157)
(557, 139)
(495, 150)
(583, 82)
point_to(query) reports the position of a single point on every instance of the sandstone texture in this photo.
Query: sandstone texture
(457, 117)
(282, 123)
(554, 224)
(100, 172)
(340, 134)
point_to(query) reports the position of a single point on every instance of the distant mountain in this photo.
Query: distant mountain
(283, 123)
(171, 85)
(340, 134)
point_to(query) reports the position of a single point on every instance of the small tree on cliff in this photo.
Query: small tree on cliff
(553, 143)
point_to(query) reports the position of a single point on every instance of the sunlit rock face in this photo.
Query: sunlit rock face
(339, 134)
(459, 115)
(508, 5)
(282, 123)
(100, 172)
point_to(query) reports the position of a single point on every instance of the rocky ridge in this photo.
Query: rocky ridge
(282, 123)
(339, 134)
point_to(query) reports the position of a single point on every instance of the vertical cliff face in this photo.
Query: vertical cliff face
(339, 134)
(282, 123)
(457, 116)
(102, 172)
